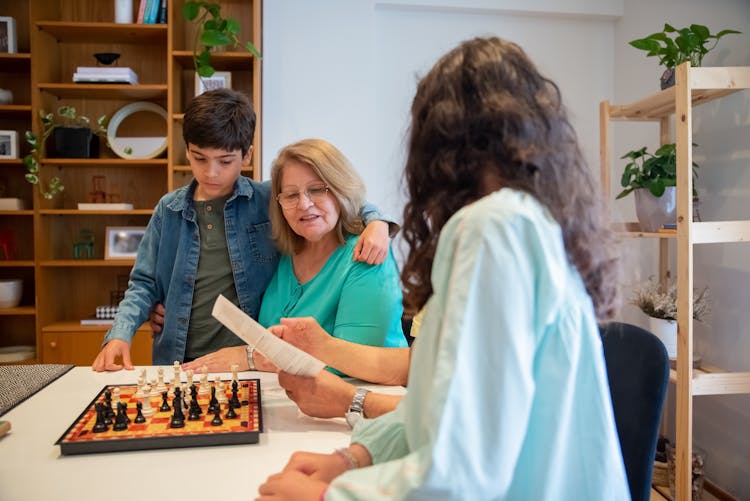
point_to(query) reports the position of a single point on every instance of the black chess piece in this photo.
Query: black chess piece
(139, 415)
(216, 421)
(100, 424)
(121, 420)
(164, 402)
(234, 400)
(110, 412)
(213, 403)
(230, 412)
(178, 417)
(194, 412)
(124, 410)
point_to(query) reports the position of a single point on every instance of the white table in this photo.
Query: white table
(32, 468)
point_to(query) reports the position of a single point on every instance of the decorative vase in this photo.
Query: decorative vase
(124, 11)
(75, 142)
(667, 79)
(666, 331)
(654, 212)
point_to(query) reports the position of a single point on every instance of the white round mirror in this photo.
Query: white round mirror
(138, 130)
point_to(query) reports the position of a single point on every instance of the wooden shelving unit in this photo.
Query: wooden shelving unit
(693, 87)
(54, 37)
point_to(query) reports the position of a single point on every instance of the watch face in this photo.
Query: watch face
(353, 418)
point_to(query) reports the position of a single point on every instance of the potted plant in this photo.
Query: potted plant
(74, 138)
(213, 31)
(659, 303)
(653, 177)
(689, 44)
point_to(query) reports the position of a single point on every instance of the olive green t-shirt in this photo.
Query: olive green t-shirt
(214, 276)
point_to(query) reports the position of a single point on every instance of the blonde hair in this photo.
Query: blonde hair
(335, 170)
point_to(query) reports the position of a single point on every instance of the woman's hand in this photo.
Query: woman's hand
(324, 396)
(372, 244)
(292, 486)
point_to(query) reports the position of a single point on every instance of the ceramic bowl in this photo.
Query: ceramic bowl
(106, 58)
(10, 292)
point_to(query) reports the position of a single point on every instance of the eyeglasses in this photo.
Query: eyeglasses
(290, 199)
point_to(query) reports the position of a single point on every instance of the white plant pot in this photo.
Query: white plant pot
(666, 331)
(654, 212)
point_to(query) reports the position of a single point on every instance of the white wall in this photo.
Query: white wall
(346, 71)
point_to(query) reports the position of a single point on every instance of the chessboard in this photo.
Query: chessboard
(131, 428)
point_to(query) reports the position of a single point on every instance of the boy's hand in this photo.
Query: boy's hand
(105, 361)
(372, 245)
(156, 319)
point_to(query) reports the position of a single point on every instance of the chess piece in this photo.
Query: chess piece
(124, 407)
(217, 421)
(234, 401)
(234, 368)
(164, 402)
(154, 391)
(160, 386)
(177, 370)
(109, 413)
(221, 391)
(195, 411)
(204, 386)
(213, 403)
(100, 424)
(121, 423)
(178, 418)
(189, 377)
(231, 414)
(116, 398)
(139, 418)
(148, 411)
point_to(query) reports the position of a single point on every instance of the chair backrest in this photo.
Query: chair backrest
(638, 374)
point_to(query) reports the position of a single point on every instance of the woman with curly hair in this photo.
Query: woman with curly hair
(511, 258)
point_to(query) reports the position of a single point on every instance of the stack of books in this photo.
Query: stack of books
(101, 74)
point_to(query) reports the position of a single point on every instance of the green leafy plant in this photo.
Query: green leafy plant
(689, 44)
(66, 116)
(658, 301)
(651, 171)
(213, 31)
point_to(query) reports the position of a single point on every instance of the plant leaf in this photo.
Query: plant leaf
(190, 10)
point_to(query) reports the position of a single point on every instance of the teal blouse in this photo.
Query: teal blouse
(351, 300)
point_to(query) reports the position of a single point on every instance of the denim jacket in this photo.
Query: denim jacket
(167, 263)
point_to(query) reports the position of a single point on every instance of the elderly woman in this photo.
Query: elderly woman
(316, 204)
(315, 223)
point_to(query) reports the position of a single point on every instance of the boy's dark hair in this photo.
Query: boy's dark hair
(220, 118)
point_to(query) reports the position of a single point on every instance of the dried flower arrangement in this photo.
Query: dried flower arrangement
(656, 302)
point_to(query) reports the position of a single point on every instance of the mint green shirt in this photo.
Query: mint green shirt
(354, 301)
(508, 394)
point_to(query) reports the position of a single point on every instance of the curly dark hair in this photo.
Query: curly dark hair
(485, 112)
(220, 118)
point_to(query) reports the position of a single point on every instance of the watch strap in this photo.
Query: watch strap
(250, 359)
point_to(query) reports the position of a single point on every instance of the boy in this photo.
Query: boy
(209, 238)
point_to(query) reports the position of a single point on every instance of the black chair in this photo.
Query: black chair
(638, 374)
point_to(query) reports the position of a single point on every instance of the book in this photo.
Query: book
(105, 70)
(152, 10)
(162, 18)
(102, 206)
(141, 11)
(104, 78)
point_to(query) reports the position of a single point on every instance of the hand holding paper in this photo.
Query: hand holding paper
(285, 356)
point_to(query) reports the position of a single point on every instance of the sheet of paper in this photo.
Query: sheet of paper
(285, 356)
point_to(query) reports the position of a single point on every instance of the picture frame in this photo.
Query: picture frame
(8, 36)
(122, 242)
(219, 80)
(8, 144)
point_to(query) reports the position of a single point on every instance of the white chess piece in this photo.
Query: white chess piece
(153, 391)
(160, 386)
(234, 369)
(115, 398)
(221, 391)
(177, 371)
(205, 386)
(139, 389)
(147, 410)
(189, 377)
